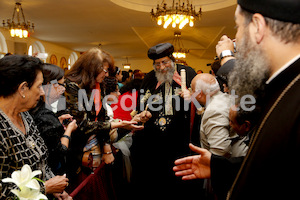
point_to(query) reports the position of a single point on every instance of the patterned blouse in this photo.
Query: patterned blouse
(77, 105)
(18, 149)
(85, 117)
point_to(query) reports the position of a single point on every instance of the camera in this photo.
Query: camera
(67, 121)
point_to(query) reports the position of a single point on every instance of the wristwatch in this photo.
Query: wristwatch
(226, 53)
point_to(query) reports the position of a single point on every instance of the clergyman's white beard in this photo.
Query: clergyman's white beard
(251, 70)
(166, 76)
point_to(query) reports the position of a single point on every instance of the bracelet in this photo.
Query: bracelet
(66, 136)
(227, 56)
(43, 188)
(108, 152)
(226, 53)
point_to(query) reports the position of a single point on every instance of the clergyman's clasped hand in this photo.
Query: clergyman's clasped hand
(142, 117)
(133, 124)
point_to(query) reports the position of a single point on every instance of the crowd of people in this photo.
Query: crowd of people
(98, 132)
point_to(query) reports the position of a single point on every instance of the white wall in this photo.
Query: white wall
(50, 48)
(143, 64)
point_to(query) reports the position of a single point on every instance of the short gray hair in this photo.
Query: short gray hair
(207, 88)
(287, 32)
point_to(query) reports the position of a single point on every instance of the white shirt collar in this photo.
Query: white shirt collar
(282, 68)
(110, 112)
(54, 106)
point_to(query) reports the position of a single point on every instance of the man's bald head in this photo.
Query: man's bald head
(206, 83)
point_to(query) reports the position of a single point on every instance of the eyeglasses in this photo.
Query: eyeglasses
(118, 71)
(164, 62)
(62, 84)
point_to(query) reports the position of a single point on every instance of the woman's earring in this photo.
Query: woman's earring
(23, 96)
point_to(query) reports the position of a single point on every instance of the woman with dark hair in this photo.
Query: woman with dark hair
(56, 136)
(125, 78)
(84, 84)
(53, 86)
(52, 72)
(119, 76)
(129, 93)
(117, 73)
(21, 142)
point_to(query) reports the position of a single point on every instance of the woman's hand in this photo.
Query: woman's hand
(62, 196)
(63, 117)
(107, 156)
(128, 125)
(56, 184)
(72, 126)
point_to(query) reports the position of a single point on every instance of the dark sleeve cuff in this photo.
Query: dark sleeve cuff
(223, 173)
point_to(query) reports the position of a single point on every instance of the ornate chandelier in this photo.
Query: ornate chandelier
(19, 28)
(178, 14)
(179, 50)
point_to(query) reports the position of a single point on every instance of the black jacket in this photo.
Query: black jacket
(51, 131)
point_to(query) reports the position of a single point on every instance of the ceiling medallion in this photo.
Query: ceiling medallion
(178, 14)
(19, 28)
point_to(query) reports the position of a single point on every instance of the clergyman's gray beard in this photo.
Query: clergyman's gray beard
(250, 72)
(165, 77)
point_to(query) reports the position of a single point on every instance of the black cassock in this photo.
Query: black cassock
(164, 139)
(271, 169)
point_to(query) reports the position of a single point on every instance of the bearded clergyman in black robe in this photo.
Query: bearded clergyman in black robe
(167, 134)
(267, 67)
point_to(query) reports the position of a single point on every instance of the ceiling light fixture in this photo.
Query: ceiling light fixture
(126, 65)
(179, 50)
(19, 28)
(178, 14)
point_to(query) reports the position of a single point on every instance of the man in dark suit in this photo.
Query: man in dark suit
(267, 67)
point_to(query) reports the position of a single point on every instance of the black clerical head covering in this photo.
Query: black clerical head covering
(282, 10)
(161, 50)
